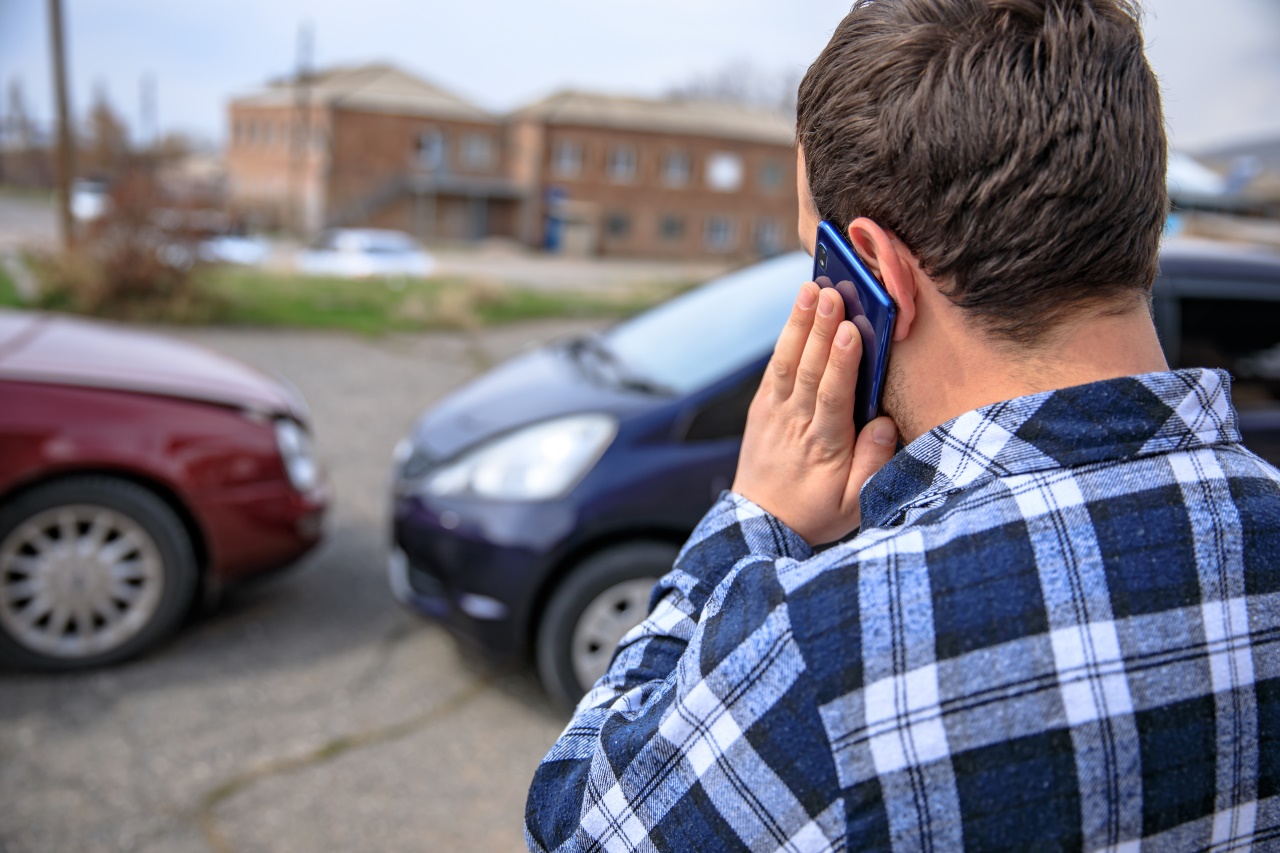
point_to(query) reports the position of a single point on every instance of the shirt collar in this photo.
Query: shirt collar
(1112, 420)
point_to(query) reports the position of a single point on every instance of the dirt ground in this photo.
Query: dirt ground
(310, 713)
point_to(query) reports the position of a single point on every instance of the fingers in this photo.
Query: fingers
(833, 406)
(875, 446)
(817, 349)
(786, 354)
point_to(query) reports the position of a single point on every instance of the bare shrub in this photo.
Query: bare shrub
(134, 263)
(455, 308)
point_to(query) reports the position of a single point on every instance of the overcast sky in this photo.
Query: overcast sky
(1219, 62)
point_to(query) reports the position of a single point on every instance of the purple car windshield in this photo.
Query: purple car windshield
(703, 335)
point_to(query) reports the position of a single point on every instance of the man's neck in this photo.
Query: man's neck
(949, 369)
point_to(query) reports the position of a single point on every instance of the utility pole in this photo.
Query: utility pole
(299, 152)
(66, 153)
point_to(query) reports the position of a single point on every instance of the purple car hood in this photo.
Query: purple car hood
(538, 386)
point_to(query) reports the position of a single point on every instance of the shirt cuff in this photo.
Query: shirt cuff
(732, 530)
(764, 533)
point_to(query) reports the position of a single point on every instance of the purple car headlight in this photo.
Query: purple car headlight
(538, 462)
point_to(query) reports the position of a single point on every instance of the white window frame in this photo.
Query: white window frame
(622, 164)
(767, 167)
(566, 159)
(436, 161)
(677, 169)
(768, 230)
(662, 231)
(477, 151)
(618, 217)
(717, 239)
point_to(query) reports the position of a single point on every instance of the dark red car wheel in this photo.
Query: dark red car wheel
(93, 570)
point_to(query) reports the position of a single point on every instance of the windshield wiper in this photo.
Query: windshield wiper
(605, 357)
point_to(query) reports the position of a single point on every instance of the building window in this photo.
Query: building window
(771, 175)
(477, 151)
(676, 168)
(566, 160)
(719, 236)
(430, 150)
(622, 164)
(768, 237)
(617, 225)
(671, 228)
(724, 172)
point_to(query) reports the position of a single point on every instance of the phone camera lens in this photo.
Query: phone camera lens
(822, 256)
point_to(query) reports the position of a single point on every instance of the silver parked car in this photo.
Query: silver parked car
(366, 253)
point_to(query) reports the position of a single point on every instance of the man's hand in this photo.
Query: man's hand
(799, 461)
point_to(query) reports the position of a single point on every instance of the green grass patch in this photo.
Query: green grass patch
(239, 296)
(376, 306)
(8, 291)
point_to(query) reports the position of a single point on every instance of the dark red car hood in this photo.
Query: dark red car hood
(49, 348)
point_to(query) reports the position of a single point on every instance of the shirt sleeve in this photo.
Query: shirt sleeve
(703, 734)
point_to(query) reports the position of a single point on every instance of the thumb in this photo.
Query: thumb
(876, 445)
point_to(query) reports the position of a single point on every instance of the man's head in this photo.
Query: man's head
(1016, 148)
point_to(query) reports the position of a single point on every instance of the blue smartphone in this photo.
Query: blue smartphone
(867, 305)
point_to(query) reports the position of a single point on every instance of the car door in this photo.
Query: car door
(1233, 324)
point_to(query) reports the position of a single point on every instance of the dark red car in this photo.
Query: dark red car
(136, 473)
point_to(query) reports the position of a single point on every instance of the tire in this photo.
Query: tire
(590, 610)
(124, 587)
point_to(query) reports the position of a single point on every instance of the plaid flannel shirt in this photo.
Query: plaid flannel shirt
(1057, 628)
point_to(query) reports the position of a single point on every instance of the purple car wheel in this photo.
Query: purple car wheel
(591, 610)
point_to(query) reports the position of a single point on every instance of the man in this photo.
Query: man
(1056, 626)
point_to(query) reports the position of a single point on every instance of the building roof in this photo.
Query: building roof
(671, 115)
(377, 87)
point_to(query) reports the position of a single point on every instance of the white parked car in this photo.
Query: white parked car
(90, 200)
(366, 253)
(235, 249)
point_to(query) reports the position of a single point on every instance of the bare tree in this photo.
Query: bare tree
(26, 158)
(107, 148)
(20, 128)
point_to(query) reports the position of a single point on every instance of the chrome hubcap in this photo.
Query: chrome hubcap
(78, 580)
(604, 622)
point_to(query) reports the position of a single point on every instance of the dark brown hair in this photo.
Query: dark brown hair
(1017, 147)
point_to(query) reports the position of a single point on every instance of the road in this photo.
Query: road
(27, 220)
(309, 713)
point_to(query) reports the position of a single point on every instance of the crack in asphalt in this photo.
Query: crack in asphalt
(206, 813)
(386, 647)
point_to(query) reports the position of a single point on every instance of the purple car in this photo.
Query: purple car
(535, 507)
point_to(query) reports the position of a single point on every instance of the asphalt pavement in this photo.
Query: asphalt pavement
(310, 712)
(28, 220)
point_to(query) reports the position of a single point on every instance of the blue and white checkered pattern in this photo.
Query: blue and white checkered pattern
(1058, 629)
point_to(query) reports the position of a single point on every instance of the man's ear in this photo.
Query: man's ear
(893, 264)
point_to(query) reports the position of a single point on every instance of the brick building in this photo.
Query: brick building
(576, 172)
(658, 177)
(370, 145)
